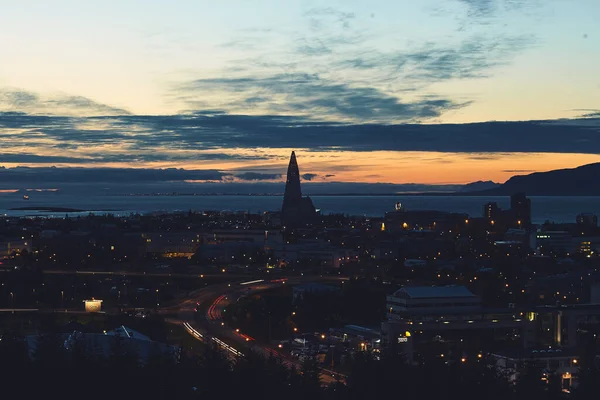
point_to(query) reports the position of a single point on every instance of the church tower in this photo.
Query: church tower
(296, 210)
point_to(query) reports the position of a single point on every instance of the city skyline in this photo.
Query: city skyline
(357, 90)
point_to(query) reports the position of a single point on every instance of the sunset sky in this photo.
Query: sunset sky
(397, 91)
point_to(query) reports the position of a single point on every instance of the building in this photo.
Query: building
(359, 337)
(551, 361)
(299, 291)
(15, 245)
(427, 300)
(316, 253)
(296, 210)
(263, 239)
(520, 207)
(491, 211)
(449, 317)
(102, 344)
(171, 244)
(587, 219)
(403, 220)
(552, 242)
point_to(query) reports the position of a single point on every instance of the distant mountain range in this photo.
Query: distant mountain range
(580, 181)
(479, 186)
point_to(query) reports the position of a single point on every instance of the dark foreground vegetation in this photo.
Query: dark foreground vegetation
(53, 372)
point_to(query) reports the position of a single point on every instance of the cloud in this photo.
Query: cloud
(473, 58)
(25, 158)
(310, 95)
(309, 176)
(57, 104)
(108, 175)
(589, 113)
(202, 136)
(320, 18)
(490, 8)
(480, 8)
(257, 176)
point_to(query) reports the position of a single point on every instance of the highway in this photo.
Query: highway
(226, 275)
(210, 328)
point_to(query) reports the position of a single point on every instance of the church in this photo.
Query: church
(296, 210)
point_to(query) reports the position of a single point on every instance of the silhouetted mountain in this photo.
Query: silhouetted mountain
(580, 181)
(479, 186)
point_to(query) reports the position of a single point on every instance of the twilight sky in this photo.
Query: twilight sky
(366, 91)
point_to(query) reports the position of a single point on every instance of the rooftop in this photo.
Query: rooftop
(429, 292)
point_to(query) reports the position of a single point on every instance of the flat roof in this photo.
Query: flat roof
(428, 292)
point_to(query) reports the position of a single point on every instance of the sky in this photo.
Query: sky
(428, 91)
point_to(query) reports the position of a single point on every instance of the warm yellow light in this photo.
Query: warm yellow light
(223, 270)
(237, 330)
(404, 225)
(463, 360)
(295, 329)
(383, 227)
(531, 316)
(479, 355)
(466, 221)
(280, 345)
(322, 336)
(492, 222)
(407, 334)
(575, 361)
(293, 312)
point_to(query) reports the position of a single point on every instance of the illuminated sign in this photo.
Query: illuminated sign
(402, 340)
(93, 305)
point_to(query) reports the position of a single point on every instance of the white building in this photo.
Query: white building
(546, 241)
(431, 300)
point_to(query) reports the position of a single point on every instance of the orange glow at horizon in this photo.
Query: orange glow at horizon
(369, 167)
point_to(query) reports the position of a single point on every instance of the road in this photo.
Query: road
(210, 302)
(225, 275)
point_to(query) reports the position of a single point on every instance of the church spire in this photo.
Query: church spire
(292, 184)
(296, 210)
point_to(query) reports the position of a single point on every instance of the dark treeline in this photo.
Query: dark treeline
(53, 372)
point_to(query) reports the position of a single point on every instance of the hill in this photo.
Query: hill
(479, 186)
(580, 181)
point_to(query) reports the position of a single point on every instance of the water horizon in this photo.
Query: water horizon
(562, 209)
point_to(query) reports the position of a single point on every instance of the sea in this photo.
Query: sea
(557, 209)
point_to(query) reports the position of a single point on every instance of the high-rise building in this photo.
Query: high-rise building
(296, 210)
(520, 206)
(491, 211)
(587, 219)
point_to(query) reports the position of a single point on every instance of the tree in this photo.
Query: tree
(529, 383)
